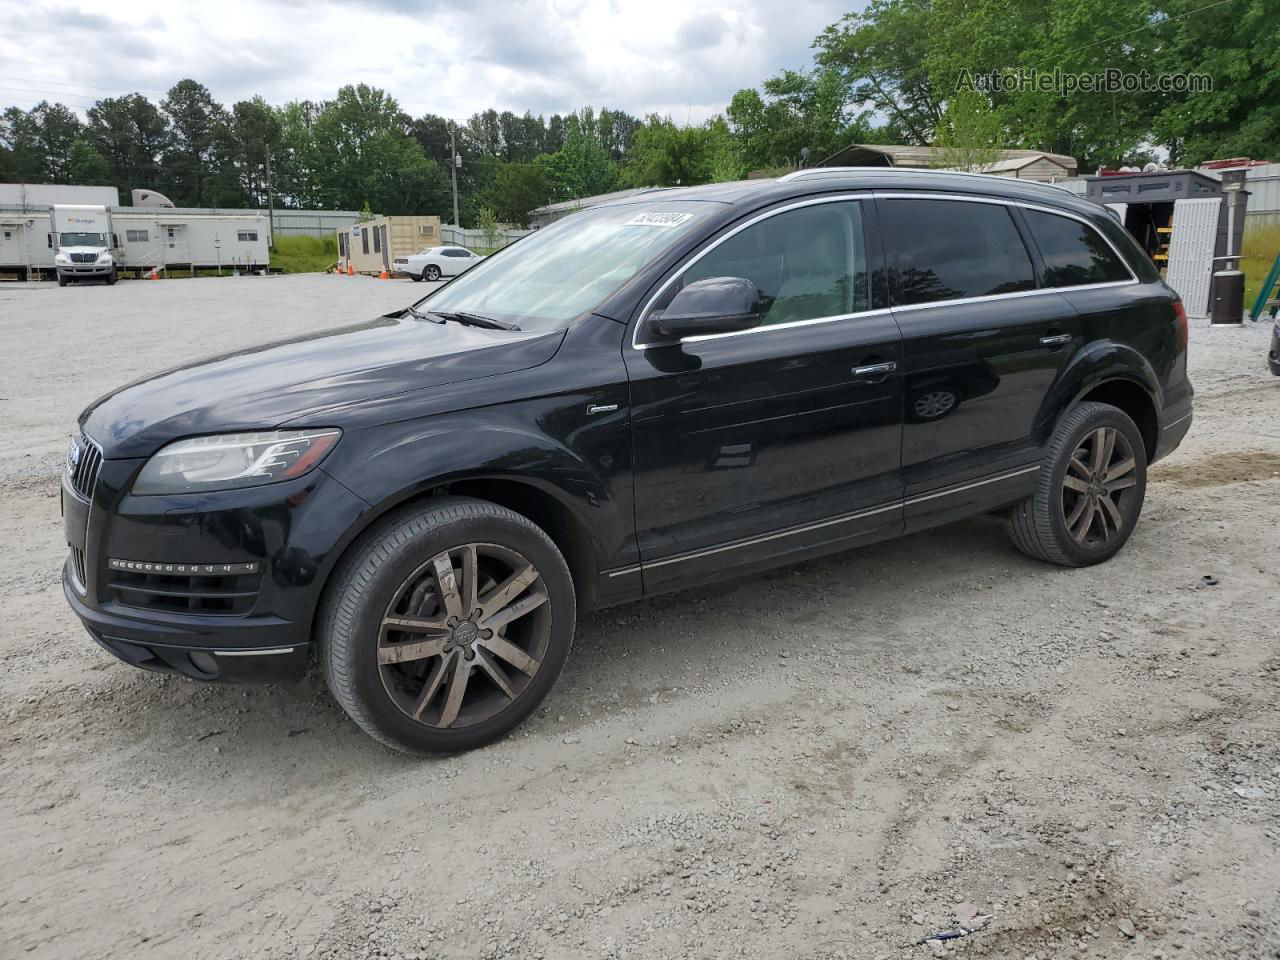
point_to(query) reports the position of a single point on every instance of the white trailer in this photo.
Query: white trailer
(161, 239)
(141, 239)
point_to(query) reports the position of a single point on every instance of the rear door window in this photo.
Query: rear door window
(1073, 252)
(951, 249)
(806, 264)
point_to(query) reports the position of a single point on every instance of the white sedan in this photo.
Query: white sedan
(433, 263)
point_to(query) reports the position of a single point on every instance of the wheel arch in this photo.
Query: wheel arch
(525, 496)
(1134, 400)
(1109, 373)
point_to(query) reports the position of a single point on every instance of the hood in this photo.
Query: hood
(71, 250)
(263, 387)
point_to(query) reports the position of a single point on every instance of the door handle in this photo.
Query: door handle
(875, 372)
(1056, 340)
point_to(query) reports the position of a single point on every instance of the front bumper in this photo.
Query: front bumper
(291, 532)
(79, 270)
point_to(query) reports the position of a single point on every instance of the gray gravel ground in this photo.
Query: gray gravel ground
(823, 761)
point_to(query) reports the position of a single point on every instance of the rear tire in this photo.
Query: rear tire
(446, 625)
(431, 272)
(1089, 491)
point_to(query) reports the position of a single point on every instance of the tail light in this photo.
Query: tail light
(1180, 314)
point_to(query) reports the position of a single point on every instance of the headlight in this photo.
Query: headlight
(60, 258)
(104, 258)
(232, 460)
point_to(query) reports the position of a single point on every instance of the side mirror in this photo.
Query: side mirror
(713, 305)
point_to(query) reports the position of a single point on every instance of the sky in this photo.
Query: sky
(450, 57)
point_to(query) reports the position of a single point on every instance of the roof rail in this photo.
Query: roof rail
(845, 171)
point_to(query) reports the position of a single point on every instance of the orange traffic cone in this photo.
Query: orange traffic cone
(383, 275)
(350, 270)
(154, 274)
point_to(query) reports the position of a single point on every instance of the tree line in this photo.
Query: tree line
(890, 74)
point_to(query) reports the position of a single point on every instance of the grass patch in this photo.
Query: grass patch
(1261, 245)
(304, 254)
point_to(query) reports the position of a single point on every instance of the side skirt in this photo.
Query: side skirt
(833, 535)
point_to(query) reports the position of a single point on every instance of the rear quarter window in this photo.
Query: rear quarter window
(1073, 252)
(952, 249)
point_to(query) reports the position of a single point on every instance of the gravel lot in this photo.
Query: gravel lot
(824, 761)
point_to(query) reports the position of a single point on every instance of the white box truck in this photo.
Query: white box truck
(84, 246)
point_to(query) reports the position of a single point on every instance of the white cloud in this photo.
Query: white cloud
(684, 59)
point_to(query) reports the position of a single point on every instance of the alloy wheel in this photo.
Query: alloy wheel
(935, 404)
(464, 635)
(1097, 487)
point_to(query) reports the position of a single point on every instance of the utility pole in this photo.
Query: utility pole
(271, 202)
(453, 172)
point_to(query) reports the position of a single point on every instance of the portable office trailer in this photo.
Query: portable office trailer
(148, 237)
(373, 246)
(23, 240)
(1179, 218)
(162, 238)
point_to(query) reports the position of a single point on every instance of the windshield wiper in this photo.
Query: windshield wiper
(419, 315)
(476, 320)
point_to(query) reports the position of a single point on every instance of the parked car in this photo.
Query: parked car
(1273, 355)
(659, 392)
(435, 263)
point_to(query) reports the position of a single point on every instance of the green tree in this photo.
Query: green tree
(1236, 46)
(487, 221)
(253, 133)
(969, 134)
(297, 159)
(87, 165)
(20, 136)
(882, 57)
(39, 142)
(197, 122)
(1077, 37)
(364, 151)
(798, 110)
(131, 135)
(664, 155)
(517, 190)
(580, 168)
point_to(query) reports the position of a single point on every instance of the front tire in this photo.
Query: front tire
(1089, 492)
(447, 625)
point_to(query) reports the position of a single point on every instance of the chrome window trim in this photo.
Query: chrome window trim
(961, 301)
(773, 212)
(878, 195)
(830, 521)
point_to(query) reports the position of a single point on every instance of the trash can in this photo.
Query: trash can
(1226, 298)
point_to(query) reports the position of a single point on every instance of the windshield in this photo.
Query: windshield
(562, 271)
(82, 240)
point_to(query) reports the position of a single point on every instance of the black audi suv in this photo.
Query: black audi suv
(662, 391)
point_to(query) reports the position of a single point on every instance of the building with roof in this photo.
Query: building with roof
(1037, 165)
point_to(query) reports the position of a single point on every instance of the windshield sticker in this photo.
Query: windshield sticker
(658, 219)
